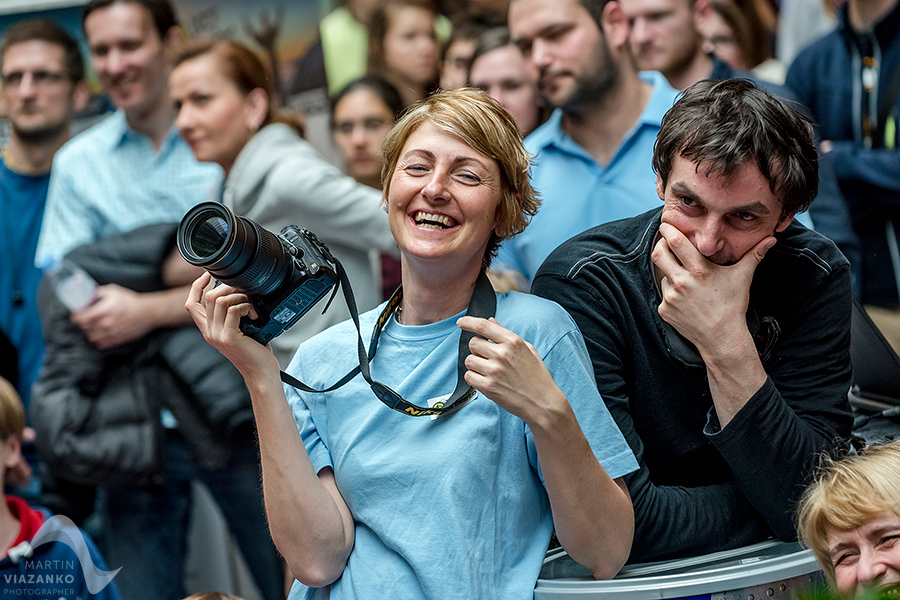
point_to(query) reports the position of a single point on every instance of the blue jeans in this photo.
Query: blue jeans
(148, 525)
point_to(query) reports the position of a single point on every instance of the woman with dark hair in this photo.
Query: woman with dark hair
(498, 67)
(726, 33)
(273, 176)
(365, 494)
(403, 47)
(361, 115)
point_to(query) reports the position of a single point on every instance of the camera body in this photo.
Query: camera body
(284, 275)
(311, 278)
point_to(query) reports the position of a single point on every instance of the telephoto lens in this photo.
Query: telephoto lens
(282, 275)
(234, 249)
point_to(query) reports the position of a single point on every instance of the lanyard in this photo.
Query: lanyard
(482, 304)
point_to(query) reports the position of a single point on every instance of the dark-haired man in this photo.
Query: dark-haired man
(132, 169)
(718, 328)
(665, 36)
(43, 86)
(593, 153)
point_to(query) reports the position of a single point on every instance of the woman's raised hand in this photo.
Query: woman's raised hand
(217, 311)
(508, 370)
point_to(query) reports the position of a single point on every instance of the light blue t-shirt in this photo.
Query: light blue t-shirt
(577, 192)
(450, 507)
(109, 179)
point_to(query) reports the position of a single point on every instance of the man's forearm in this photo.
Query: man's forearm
(676, 521)
(734, 376)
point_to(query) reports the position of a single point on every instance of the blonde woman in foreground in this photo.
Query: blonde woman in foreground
(850, 519)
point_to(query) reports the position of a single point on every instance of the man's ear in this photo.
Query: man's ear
(175, 35)
(703, 10)
(660, 188)
(615, 25)
(783, 222)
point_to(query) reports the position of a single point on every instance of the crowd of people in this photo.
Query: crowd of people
(603, 256)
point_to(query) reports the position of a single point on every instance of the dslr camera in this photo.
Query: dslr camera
(283, 275)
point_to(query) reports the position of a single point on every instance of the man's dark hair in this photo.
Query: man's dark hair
(468, 27)
(595, 9)
(378, 86)
(722, 125)
(160, 10)
(50, 32)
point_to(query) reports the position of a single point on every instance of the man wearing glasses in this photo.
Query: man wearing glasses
(42, 73)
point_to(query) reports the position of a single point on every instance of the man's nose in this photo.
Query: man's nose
(541, 54)
(28, 86)
(640, 32)
(708, 237)
(115, 62)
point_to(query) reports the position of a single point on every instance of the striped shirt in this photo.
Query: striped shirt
(110, 179)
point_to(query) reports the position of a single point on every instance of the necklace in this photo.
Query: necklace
(398, 312)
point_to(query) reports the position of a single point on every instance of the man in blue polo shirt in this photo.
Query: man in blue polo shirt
(593, 154)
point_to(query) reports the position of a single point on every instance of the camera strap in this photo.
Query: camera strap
(482, 304)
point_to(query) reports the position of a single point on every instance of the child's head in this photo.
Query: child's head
(12, 413)
(12, 426)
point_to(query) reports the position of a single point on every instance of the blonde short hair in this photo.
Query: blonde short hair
(479, 121)
(12, 413)
(848, 493)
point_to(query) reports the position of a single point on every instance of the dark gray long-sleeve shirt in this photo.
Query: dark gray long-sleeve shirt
(701, 488)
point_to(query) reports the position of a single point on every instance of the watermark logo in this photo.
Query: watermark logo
(55, 571)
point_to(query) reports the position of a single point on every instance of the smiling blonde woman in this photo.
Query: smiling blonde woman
(461, 501)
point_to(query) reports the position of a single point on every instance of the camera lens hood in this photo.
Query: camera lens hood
(234, 249)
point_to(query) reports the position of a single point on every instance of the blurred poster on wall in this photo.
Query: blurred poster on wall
(281, 30)
(284, 32)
